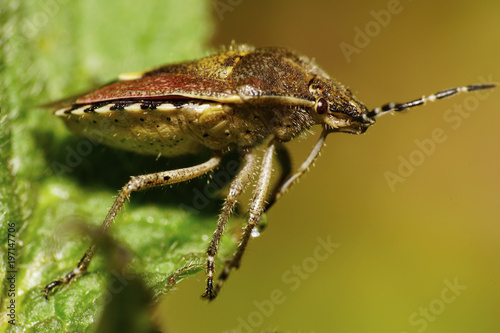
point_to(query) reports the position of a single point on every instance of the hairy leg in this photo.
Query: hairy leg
(137, 183)
(235, 189)
(255, 212)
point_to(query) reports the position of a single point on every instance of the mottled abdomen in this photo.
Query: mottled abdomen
(160, 127)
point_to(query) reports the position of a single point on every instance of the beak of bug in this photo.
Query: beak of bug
(350, 118)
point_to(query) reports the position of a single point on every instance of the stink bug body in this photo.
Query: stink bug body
(237, 99)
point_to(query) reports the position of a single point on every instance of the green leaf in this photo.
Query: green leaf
(52, 182)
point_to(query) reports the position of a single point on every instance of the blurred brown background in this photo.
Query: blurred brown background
(401, 249)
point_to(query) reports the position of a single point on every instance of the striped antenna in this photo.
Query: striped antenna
(369, 116)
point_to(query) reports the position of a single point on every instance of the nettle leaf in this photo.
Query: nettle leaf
(56, 188)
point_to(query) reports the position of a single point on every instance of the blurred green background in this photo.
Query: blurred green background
(396, 247)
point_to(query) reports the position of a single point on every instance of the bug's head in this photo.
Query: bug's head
(337, 109)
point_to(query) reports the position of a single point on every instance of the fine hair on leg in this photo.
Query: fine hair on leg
(255, 213)
(237, 186)
(136, 183)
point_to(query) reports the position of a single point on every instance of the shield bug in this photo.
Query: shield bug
(236, 99)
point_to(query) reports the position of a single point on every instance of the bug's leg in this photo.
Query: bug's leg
(255, 212)
(237, 186)
(137, 183)
(285, 162)
(286, 183)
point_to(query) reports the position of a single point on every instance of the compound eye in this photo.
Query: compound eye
(321, 106)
